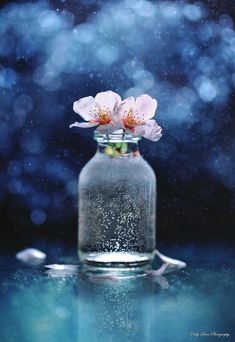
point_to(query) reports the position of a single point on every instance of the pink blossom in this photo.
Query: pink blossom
(135, 115)
(108, 113)
(98, 111)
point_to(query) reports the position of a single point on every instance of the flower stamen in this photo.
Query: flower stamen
(103, 118)
(129, 120)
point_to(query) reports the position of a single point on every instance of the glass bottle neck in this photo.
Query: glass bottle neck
(117, 144)
(118, 149)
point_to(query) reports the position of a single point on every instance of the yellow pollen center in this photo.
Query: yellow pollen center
(104, 117)
(129, 120)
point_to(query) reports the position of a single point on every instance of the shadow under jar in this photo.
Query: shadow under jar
(117, 205)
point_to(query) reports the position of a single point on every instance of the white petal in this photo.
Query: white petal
(57, 270)
(170, 261)
(151, 132)
(85, 107)
(150, 122)
(145, 107)
(125, 107)
(62, 267)
(159, 271)
(84, 124)
(107, 100)
(152, 135)
(154, 125)
(61, 271)
(114, 114)
(31, 255)
(117, 122)
(162, 281)
(106, 129)
(140, 129)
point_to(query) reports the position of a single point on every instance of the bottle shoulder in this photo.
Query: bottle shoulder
(103, 167)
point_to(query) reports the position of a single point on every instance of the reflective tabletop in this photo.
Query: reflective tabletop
(71, 303)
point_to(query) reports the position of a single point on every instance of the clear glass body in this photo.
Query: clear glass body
(117, 205)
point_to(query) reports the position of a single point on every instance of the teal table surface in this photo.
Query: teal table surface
(75, 304)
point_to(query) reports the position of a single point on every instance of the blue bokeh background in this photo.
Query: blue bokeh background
(55, 52)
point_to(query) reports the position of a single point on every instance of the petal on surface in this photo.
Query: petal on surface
(162, 281)
(170, 261)
(145, 107)
(107, 100)
(106, 129)
(31, 256)
(84, 124)
(61, 271)
(125, 107)
(85, 107)
(62, 267)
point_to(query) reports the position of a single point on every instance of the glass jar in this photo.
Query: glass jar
(117, 204)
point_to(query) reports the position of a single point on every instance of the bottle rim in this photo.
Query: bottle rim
(116, 136)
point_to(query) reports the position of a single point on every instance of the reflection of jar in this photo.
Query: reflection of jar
(116, 306)
(117, 192)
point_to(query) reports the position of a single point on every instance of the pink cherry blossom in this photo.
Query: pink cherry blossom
(108, 113)
(135, 115)
(98, 111)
